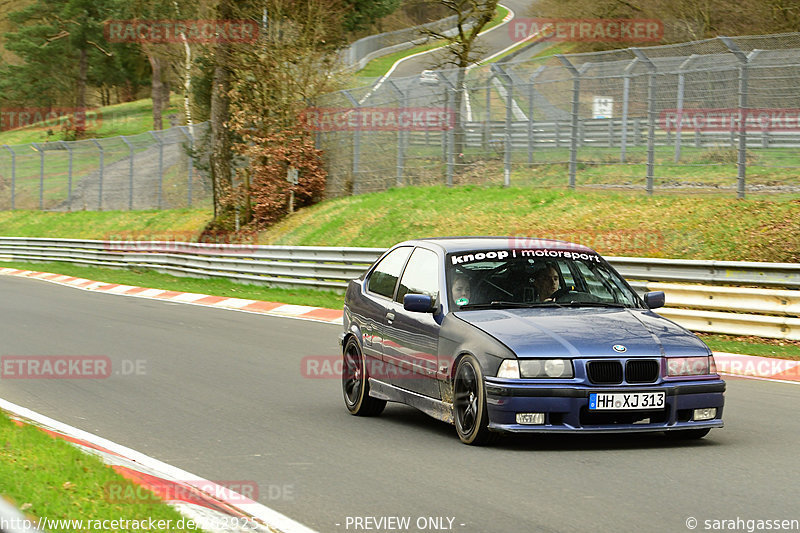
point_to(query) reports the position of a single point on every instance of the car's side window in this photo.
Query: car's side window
(421, 275)
(384, 277)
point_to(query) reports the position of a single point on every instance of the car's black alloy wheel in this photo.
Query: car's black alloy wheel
(355, 382)
(469, 403)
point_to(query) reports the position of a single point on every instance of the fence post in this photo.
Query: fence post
(487, 115)
(160, 166)
(531, 89)
(679, 117)
(744, 60)
(100, 177)
(69, 175)
(187, 131)
(651, 116)
(356, 143)
(41, 174)
(13, 173)
(130, 172)
(401, 152)
(576, 91)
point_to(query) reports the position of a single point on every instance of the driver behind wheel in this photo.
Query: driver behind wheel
(546, 281)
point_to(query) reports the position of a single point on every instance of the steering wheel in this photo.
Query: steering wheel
(563, 291)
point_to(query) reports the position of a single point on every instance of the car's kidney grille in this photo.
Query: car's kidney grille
(641, 371)
(604, 372)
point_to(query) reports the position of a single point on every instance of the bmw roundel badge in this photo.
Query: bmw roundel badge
(620, 348)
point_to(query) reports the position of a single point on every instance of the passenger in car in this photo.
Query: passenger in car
(546, 281)
(461, 290)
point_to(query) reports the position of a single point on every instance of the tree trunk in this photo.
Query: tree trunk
(156, 91)
(220, 157)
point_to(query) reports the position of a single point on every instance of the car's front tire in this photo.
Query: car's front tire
(469, 403)
(355, 382)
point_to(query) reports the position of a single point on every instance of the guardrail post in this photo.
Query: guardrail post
(744, 60)
(130, 172)
(100, 177)
(160, 166)
(69, 175)
(39, 149)
(679, 117)
(576, 92)
(13, 174)
(651, 117)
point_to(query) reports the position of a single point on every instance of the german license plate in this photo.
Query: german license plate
(618, 401)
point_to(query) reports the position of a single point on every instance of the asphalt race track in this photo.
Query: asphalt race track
(221, 394)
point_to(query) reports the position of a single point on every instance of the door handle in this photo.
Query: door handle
(390, 316)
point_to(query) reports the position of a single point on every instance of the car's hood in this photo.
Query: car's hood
(585, 332)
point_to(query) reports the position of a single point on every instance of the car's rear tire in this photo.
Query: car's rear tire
(355, 382)
(469, 403)
(688, 434)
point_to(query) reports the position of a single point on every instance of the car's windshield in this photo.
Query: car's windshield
(532, 278)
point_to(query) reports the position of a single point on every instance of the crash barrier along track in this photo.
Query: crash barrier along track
(730, 297)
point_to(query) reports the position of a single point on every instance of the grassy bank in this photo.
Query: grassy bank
(614, 223)
(47, 477)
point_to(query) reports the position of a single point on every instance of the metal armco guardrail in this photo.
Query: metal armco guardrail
(694, 289)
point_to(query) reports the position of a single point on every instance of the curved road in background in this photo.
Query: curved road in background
(221, 394)
(490, 43)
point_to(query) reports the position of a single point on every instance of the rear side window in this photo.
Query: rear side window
(384, 278)
(421, 275)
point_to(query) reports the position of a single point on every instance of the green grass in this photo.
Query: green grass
(47, 477)
(614, 223)
(780, 349)
(172, 225)
(129, 118)
(214, 287)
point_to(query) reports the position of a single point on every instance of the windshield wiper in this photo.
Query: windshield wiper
(500, 304)
(594, 304)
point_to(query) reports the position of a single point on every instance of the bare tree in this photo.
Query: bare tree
(461, 51)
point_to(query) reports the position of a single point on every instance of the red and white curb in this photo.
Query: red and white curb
(754, 367)
(210, 506)
(305, 312)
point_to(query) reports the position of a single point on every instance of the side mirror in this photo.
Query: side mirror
(654, 299)
(418, 303)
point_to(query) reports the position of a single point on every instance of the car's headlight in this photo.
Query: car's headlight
(691, 366)
(535, 368)
(509, 369)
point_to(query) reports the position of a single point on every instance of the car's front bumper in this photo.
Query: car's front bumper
(566, 407)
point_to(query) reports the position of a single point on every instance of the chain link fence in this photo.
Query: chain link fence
(153, 170)
(654, 118)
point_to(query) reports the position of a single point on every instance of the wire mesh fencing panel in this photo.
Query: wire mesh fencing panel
(153, 170)
(719, 114)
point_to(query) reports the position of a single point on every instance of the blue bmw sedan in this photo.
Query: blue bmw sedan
(512, 335)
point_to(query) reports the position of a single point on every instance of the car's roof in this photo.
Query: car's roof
(464, 244)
